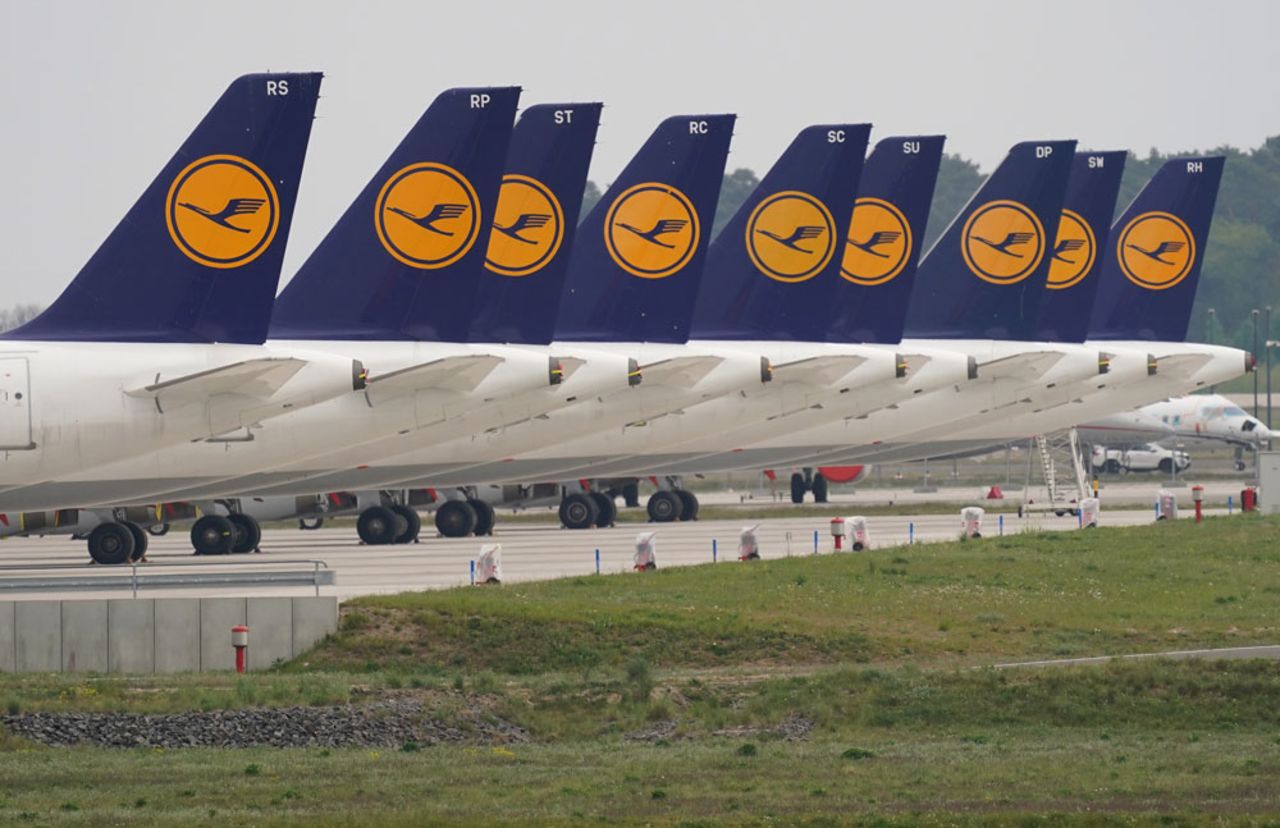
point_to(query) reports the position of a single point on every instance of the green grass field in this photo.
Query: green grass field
(815, 690)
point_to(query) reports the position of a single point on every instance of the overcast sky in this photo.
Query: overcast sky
(95, 96)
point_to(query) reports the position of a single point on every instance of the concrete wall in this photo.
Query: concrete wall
(160, 635)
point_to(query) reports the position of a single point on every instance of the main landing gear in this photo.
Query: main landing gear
(384, 525)
(669, 505)
(233, 534)
(808, 481)
(460, 518)
(117, 542)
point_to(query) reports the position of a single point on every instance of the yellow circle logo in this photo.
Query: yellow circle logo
(1156, 250)
(1003, 242)
(222, 211)
(1073, 251)
(790, 236)
(427, 215)
(651, 230)
(878, 245)
(528, 226)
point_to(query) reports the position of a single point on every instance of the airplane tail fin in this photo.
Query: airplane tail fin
(406, 258)
(1079, 249)
(771, 272)
(985, 275)
(1152, 263)
(197, 258)
(533, 226)
(882, 247)
(639, 254)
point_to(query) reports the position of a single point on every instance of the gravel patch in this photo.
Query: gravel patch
(379, 724)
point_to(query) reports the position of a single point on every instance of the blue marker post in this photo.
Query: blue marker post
(1001, 522)
(473, 572)
(1079, 518)
(597, 561)
(714, 557)
(911, 533)
(1229, 504)
(1157, 510)
(815, 541)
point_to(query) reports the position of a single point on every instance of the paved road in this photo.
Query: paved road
(529, 552)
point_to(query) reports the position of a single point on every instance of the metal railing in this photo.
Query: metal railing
(318, 574)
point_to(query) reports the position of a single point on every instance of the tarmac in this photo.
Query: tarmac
(528, 552)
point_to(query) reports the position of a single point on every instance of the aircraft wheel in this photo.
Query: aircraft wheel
(665, 506)
(378, 526)
(578, 511)
(485, 517)
(606, 509)
(158, 529)
(248, 534)
(819, 488)
(110, 544)
(688, 504)
(308, 524)
(798, 487)
(413, 524)
(631, 495)
(140, 541)
(212, 535)
(456, 519)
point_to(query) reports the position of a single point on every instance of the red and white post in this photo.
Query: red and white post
(240, 640)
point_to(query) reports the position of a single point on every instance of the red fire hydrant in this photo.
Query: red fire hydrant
(1197, 494)
(240, 640)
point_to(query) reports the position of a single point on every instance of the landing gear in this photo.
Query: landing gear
(309, 524)
(808, 481)
(111, 543)
(665, 506)
(688, 504)
(140, 541)
(579, 511)
(485, 517)
(413, 524)
(248, 533)
(456, 519)
(212, 535)
(378, 526)
(158, 529)
(606, 509)
(631, 495)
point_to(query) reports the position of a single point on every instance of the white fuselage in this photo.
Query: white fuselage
(415, 407)
(70, 407)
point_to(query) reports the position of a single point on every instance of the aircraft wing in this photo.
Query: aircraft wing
(681, 371)
(253, 377)
(1019, 366)
(1181, 366)
(821, 370)
(456, 373)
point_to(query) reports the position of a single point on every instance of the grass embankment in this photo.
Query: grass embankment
(1026, 596)
(805, 689)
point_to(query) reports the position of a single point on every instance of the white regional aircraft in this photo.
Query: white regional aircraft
(157, 339)
(447, 171)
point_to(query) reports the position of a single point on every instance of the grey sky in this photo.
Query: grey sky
(95, 96)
